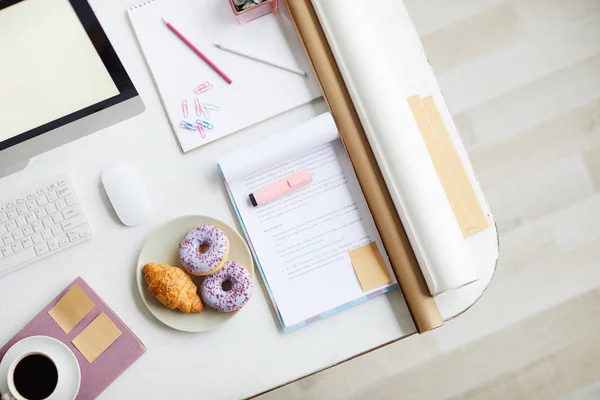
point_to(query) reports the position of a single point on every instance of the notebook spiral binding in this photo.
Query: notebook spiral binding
(141, 5)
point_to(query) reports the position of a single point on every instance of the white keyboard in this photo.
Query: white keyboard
(40, 223)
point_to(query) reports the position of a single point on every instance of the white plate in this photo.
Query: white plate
(163, 247)
(70, 375)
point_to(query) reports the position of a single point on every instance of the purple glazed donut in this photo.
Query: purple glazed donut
(204, 250)
(236, 297)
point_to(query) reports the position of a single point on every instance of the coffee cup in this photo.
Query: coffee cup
(33, 375)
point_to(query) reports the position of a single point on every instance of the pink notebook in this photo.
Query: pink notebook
(96, 376)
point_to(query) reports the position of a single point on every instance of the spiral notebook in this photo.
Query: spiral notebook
(190, 90)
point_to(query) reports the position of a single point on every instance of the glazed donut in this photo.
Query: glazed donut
(204, 250)
(230, 300)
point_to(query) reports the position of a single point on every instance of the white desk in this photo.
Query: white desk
(248, 355)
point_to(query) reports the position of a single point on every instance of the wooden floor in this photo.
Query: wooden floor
(522, 79)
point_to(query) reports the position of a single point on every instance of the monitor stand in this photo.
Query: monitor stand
(7, 169)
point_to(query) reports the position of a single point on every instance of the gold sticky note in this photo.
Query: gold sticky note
(459, 191)
(369, 267)
(71, 309)
(96, 337)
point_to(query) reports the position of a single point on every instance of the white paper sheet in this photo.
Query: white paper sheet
(302, 239)
(382, 65)
(258, 91)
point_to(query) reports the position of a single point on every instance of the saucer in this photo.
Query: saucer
(70, 375)
(163, 247)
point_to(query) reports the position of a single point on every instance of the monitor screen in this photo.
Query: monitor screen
(56, 65)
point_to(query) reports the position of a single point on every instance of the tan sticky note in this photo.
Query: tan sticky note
(459, 191)
(71, 309)
(96, 337)
(369, 267)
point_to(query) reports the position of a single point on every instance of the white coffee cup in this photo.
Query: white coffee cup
(13, 393)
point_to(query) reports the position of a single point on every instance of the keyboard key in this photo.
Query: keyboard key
(21, 221)
(72, 223)
(30, 217)
(31, 195)
(52, 244)
(12, 213)
(51, 186)
(73, 236)
(84, 232)
(38, 226)
(7, 238)
(42, 201)
(41, 191)
(16, 247)
(63, 240)
(50, 208)
(70, 200)
(40, 213)
(3, 217)
(11, 225)
(47, 222)
(27, 242)
(62, 192)
(11, 204)
(31, 204)
(7, 251)
(2, 207)
(57, 217)
(41, 249)
(37, 238)
(18, 234)
(61, 204)
(28, 230)
(62, 182)
(17, 259)
(22, 209)
(3, 229)
(46, 234)
(70, 212)
(51, 196)
(56, 230)
(20, 199)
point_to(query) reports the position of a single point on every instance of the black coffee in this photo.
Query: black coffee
(35, 377)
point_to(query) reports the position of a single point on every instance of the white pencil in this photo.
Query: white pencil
(262, 60)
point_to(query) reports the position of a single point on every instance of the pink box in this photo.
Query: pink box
(251, 13)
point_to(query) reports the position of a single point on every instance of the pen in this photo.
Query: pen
(280, 188)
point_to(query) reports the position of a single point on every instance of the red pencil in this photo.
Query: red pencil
(191, 46)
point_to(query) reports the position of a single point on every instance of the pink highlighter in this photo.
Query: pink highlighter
(280, 188)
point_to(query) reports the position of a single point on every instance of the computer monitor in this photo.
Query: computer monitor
(60, 78)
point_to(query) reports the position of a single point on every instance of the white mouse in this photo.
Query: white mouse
(126, 194)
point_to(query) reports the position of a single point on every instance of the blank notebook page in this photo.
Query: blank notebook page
(258, 91)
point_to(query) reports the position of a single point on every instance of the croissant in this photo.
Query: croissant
(172, 287)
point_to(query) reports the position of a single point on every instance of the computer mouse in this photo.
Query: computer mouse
(126, 193)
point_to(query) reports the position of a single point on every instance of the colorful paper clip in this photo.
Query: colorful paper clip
(211, 107)
(201, 129)
(198, 107)
(203, 87)
(206, 108)
(187, 125)
(205, 124)
(184, 108)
